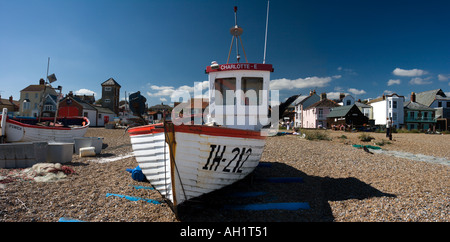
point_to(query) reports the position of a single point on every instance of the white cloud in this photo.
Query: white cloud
(334, 95)
(387, 92)
(174, 93)
(284, 84)
(356, 91)
(419, 81)
(411, 73)
(163, 99)
(86, 92)
(392, 82)
(443, 77)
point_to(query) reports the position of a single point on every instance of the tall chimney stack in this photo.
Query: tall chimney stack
(413, 97)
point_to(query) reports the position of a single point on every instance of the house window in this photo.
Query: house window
(26, 105)
(107, 100)
(49, 108)
(85, 114)
(394, 116)
(439, 104)
(320, 113)
(394, 104)
(348, 102)
(108, 89)
(448, 104)
(390, 104)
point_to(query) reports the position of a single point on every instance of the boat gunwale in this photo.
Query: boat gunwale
(198, 129)
(9, 120)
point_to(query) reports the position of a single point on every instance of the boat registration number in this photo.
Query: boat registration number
(216, 156)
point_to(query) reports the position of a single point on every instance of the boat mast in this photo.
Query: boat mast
(43, 94)
(267, 24)
(236, 31)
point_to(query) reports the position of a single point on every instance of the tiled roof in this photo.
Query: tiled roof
(324, 103)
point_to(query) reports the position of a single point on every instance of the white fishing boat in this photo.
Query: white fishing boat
(184, 160)
(28, 129)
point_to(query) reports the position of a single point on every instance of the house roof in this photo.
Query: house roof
(339, 111)
(327, 103)
(362, 105)
(110, 82)
(103, 110)
(33, 88)
(427, 98)
(303, 99)
(382, 98)
(417, 106)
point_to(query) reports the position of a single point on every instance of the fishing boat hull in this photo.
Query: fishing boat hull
(20, 131)
(186, 161)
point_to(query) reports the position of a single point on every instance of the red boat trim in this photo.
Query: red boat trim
(8, 120)
(147, 129)
(198, 129)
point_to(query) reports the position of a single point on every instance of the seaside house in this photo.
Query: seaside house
(74, 106)
(31, 97)
(388, 106)
(315, 116)
(345, 100)
(438, 100)
(10, 104)
(157, 112)
(50, 103)
(349, 115)
(302, 103)
(419, 116)
(365, 109)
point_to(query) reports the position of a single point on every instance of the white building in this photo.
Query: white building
(345, 100)
(388, 106)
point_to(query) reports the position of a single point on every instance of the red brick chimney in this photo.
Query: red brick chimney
(413, 97)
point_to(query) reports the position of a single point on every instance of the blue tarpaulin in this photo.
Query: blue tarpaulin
(64, 219)
(133, 198)
(136, 174)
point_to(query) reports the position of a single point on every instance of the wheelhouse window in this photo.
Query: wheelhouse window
(252, 88)
(225, 90)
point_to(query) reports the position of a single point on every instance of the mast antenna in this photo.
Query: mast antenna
(267, 24)
(236, 31)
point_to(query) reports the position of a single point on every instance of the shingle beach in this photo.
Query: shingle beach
(338, 182)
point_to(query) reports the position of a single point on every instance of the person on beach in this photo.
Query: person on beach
(388, 127)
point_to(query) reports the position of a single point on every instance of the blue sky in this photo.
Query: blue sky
(363, 48)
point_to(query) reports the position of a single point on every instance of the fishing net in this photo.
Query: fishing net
(48, 172)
